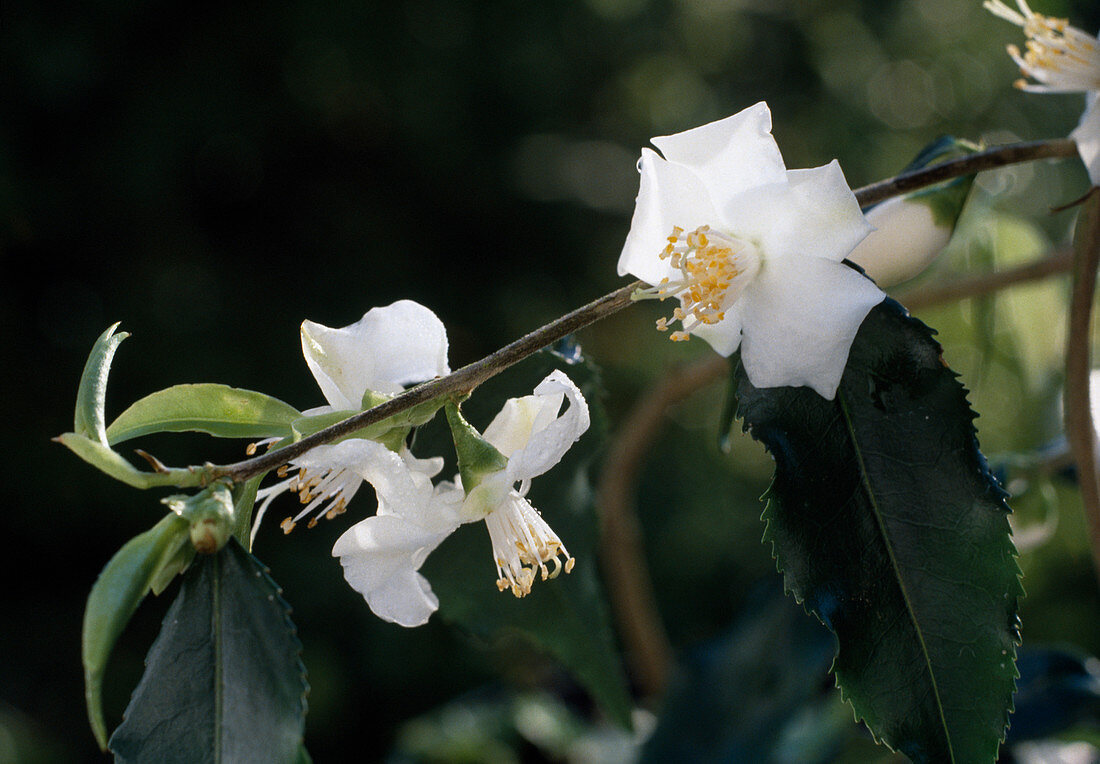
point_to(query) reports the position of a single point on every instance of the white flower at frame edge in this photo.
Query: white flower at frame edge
(1061, 59)
(388, 348)
(382, 555)
(752, 251)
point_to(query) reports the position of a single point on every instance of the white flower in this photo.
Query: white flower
(752, 250)
(388, 348)
(1062, 59)
(382, 555)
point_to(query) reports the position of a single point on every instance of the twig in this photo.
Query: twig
(1013, 153)
(621, 552)
(469, 377)
(1080, 430)
(457, 383)
(1058, 261)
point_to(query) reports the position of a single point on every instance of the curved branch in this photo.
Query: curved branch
(1080, 429)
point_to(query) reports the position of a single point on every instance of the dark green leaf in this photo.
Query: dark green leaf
(219, 410)
(566, 616)
(888, 525)
(223, 681)
(89, 419)
(117, 592)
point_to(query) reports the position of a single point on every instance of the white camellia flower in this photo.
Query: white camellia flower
(1061, 59)
(382, 555)
(752, 250)
(388, 348)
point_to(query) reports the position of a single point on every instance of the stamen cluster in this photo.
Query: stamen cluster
(522, 542)
(710, 263)
(1059, 56)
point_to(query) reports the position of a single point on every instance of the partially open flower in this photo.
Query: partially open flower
(1061, 59)
(388, 348)
(751, 251)
(382, 555)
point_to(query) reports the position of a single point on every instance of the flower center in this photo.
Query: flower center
(314, 489)
(1060, 56)
(715, 268)
(522, 542)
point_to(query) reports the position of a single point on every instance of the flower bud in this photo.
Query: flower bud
(211, 515)
(910, 232)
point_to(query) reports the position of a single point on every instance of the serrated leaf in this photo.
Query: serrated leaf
(223, 681)
(120, 588)
(218, 410)
(89, 418)
(888, 525)
(566, 616)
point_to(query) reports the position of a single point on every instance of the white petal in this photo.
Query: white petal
(905, 241)
(1087, 135)
(381, 556)
(818, 215)
(724, 336)
(800, 317)
(388, 348)
(550, 439)
(669, 195)
(730, 155)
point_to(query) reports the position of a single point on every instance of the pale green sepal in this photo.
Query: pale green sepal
(244, 499)
(477, 457)
(218, 410)
(100, 456)
(89, 418)
(402, 421)
(211, 515)
(120, 588)
(945, 200)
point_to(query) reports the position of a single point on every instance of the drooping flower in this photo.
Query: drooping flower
(382, 554)
(752, 251)
(1061, 59)
(388, 348)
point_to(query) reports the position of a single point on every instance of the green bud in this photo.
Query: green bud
(211, 515)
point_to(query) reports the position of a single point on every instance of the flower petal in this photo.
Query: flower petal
(724, 336)
(906, 239)
(816, 214)
(669, 195)
(380, 557)
(800, 317)
(1087, 135)
(731, 155)
(551, 437)
(388, 348)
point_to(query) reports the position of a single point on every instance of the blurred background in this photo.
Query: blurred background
(210, 175)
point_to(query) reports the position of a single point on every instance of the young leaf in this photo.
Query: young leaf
(115, 596)
(223, 681)
(566, 616)
(888, 525)
(89, 418)
(219, 410)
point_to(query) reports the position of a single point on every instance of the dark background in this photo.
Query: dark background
(211, 176)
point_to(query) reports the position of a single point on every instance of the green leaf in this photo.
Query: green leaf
(223, 681)
(89, 419)
(218, 410)
(887, 524)
(100, 456)
(115, 596)
(566, 616)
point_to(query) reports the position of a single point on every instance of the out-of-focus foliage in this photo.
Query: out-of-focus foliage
(212, 175)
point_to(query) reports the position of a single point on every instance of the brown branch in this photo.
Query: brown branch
(951, 289)
(621, 552)
(1013, 153)
(457, 383)
(1080, 429)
